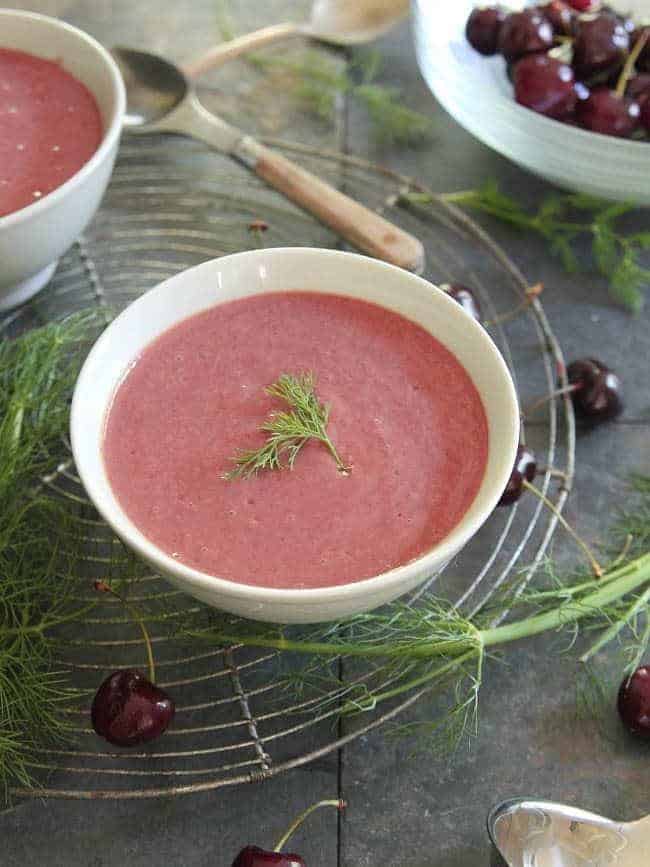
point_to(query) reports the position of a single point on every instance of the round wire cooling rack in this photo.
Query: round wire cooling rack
(171, 205)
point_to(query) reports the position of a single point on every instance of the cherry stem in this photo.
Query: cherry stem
(339, 804)
(570, 389)
(632, 58)
(595, 565)
(104, 587)
(556, 474)
(624, 552)
(531, 293)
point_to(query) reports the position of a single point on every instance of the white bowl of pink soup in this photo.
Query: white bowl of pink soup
(422, 409)
(61, 105)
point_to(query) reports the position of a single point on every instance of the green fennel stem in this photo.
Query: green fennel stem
(617, 584)
(610, 634)
(551, 620)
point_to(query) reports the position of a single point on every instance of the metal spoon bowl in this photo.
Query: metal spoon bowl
(529, 833)
(155, 87)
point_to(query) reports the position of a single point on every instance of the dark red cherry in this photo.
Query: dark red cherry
(599, 392)
(525, 469)
(584, 5)
(546, 85)
(525, 33)
(645, 115)
(560, 15)
(483, 28)
(634, 702)
(638, 88)
(627, 22)
(608, 113)
(128, 709)
(253, 856)
(643, 61)
(464, 296)
(600, 46)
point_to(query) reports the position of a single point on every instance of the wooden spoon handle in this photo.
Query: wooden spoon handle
(363, 228)
(225, 51)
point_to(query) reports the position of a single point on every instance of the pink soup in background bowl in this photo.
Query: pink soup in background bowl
(61, 106)
(422, 410)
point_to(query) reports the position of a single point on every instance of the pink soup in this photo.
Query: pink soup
(49, 128)
(404, 414)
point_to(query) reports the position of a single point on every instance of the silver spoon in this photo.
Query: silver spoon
(338, 22)
(528, 833)
(161, 99)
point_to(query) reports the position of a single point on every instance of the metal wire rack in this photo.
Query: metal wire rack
(171, 205)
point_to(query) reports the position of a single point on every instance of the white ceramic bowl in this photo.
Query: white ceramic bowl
(272, 270)
(33, 238)
(475, 90)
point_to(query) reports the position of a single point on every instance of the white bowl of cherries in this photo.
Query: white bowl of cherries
(560, 88)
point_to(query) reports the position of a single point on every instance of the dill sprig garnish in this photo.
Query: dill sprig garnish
(289, 431)
(562, 220)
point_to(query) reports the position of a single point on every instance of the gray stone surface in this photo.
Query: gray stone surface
(403, 812)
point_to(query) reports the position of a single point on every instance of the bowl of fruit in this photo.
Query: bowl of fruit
(560, 88)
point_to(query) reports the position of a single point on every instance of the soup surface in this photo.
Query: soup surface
(49, 127)
(404, 415)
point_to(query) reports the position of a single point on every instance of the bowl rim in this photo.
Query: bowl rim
(110, 135)
(126, 529)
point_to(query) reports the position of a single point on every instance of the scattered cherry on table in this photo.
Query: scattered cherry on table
(634, 702)
(597, 393)
(254, 856)
(129, 710)
(524, 470)
(464, 296)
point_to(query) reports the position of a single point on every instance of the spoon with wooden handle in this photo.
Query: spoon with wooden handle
(161, 99)
(338, 22)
